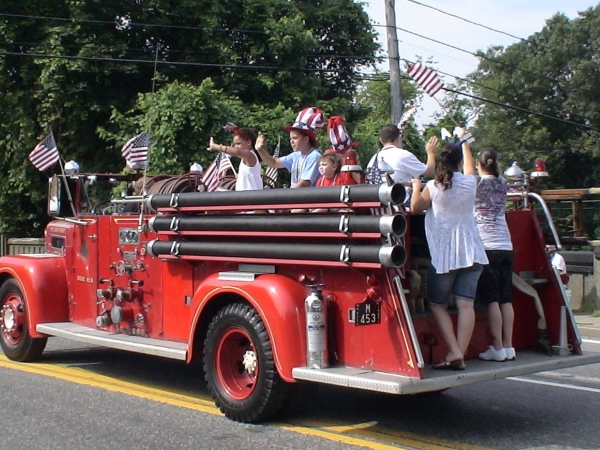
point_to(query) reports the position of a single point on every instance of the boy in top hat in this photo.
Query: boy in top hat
(303, 162)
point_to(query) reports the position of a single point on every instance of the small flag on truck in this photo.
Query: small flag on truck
(211, 177)
(45, 154)
(136, 148)
(271, 172)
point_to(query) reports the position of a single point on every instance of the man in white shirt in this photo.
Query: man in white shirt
(406, 165)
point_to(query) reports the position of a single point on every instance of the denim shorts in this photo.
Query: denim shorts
(460, 282)
(495, 283)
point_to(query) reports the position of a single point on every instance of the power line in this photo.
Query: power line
(479, 55)
(258, 67)
(130, 23)
(467, 20)
(516, 108)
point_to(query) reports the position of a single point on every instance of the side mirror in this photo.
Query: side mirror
(54, 190)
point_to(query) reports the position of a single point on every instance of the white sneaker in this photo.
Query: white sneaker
(491, 354)
(511, 355)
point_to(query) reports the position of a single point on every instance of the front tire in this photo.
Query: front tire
(15, 340)
(239, 366)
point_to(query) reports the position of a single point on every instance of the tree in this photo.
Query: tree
(555, 74)
(86, 71)
(373, 111)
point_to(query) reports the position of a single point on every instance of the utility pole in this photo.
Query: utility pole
(394, 60)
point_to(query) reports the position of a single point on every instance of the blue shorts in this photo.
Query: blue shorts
(460, 282)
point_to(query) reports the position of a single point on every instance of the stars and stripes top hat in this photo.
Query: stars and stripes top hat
(338, 134)
(308, 121)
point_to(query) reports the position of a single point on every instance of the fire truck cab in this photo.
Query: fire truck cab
(266, 297)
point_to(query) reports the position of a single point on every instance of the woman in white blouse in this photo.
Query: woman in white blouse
(457, 253)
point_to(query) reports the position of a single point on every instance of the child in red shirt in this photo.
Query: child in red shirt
(329, 168)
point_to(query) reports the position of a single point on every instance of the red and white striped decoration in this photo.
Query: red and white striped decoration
(427, 78)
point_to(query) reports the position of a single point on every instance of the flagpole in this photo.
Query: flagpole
(447, 113)
(69, 196)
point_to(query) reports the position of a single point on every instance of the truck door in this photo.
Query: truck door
(82, 291)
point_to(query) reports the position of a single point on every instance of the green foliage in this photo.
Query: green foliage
(90, 79)
(555, 73)
(373, 111)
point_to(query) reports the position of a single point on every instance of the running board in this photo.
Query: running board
(138, 344)
(527, 362)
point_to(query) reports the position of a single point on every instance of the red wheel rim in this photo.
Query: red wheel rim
(236, 364)
(12, 318)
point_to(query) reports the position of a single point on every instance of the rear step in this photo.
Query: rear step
(138, 344)
(527, 362)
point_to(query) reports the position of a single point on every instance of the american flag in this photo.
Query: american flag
(271, 172)
(406, 115)
(211, 177)
(45, 154)
(427, 78)
(136, 148)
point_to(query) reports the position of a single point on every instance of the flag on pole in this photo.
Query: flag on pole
(212, 175)
(406, 115)
(45, 154)
(427, 78)
(271, 172)
(136, 148)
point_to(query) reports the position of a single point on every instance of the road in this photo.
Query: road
(79, 397)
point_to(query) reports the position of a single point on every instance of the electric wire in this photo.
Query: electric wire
(467, 20)
(516, 108)
(258, 67)
(132, 23)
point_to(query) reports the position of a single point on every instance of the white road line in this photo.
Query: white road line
(560, 385)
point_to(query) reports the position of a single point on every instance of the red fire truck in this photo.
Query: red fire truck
(267, 298)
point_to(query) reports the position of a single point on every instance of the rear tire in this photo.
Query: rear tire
(15, 340)
(239, 366)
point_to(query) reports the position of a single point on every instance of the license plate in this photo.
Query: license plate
(367, 313)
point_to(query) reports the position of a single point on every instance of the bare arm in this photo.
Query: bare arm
(468, 162)
(302, 183)
(246, 155)
(431, 148)
(419, 201)
(261, 148)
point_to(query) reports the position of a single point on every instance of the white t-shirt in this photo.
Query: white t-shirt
(249, 178)
(558, 262)
(452, 235)
(406, 165)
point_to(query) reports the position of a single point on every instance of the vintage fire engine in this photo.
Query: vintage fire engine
(264, 297)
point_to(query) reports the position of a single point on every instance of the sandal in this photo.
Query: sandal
(457, 364)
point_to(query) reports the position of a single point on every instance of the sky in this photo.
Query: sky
(520, 18)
